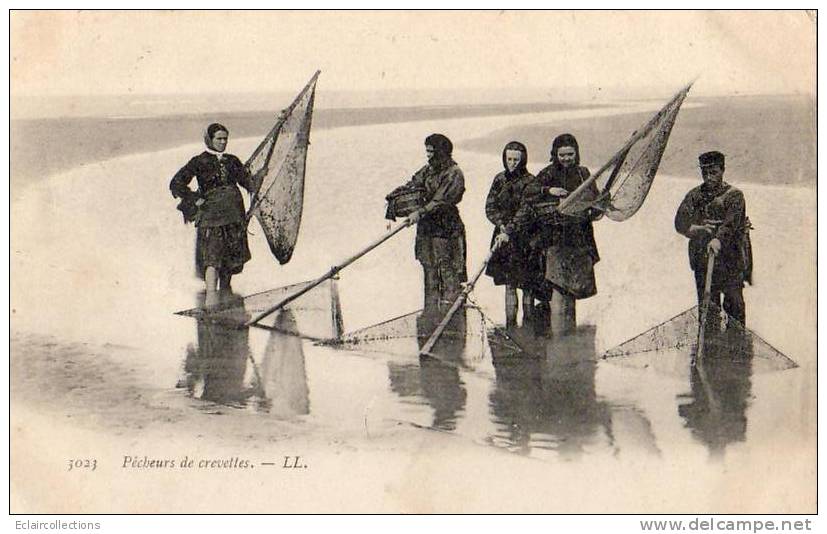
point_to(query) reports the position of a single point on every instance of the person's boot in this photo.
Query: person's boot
(528, 308)
(510, 307)
(431, 297)
(450, 287)
(735, 306)
(563, 318)
(541, 318)
(212, 298)
(224, 281)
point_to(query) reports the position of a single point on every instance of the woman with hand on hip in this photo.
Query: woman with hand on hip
(216, 208)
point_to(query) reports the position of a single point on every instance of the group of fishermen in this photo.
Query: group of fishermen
(549, 256)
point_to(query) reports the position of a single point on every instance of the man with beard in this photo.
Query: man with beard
(713, 217)
(440, 233)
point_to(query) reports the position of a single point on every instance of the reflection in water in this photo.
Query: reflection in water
(216, 367)
(543, 396)
(283, 376)
(716, 408)
(548, 399)
(222, 369)
(436, 379)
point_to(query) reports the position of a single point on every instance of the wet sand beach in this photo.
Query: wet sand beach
(778, 147)
(39, 144)
(101, 367)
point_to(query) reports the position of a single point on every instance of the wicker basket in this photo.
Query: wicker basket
(406, 202)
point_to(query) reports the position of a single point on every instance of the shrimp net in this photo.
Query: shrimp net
(466, 342)
(625, 183)
(279, 200)
(677, 339)
(317, 313)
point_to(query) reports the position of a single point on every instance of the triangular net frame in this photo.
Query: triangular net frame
(630, 180)
(317, 314)
(463, 342)
(725, 337)
(625, 182)
(278, 202)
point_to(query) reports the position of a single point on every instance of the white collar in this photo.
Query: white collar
(215, 153)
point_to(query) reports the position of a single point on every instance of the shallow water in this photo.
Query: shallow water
(100, 257)
(519, 390)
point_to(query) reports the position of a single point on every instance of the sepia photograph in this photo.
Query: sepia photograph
(413, 262)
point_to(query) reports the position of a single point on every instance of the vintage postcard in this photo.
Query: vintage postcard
(557, 262)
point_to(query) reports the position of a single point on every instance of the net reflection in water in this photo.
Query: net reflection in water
(317, 314)
(463, 343)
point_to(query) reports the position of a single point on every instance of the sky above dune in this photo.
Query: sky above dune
(109, 53)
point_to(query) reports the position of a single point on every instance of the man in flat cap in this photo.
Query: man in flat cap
(713, 217)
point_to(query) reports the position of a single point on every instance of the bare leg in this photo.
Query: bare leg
(510, 306)
(563, 315)
(211, 281)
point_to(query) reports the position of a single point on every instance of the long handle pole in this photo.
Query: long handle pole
(712, 399)
(458, 302)
(704, 311)
(639, 134)
(330, 274)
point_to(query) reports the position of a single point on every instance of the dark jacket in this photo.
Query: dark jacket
(511, 263)
(563, 230)
(505, 198)
(444, 186)
(724, 207)
(217, 185)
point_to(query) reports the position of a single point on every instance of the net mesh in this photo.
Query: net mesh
(724, 338)
(280, 196)
(630, 181)
(261, 155)
(315, 315)
(462, 343)
(625, 184)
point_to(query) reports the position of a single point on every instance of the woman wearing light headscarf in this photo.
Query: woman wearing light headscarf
(567, 241)
(216, 208)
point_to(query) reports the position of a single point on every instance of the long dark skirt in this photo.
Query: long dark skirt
(222, 247)
(571, 271)
(512, 264)
(535, 280)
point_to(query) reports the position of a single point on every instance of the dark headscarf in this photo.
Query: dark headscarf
(712, 158)
(565, 139)
(211, 130)
(442, 145)
(521, 167)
